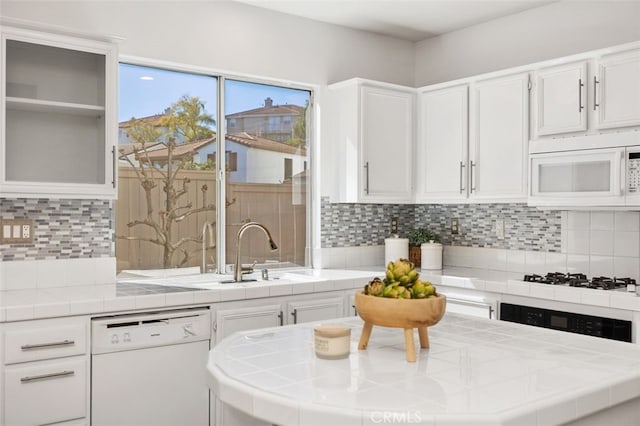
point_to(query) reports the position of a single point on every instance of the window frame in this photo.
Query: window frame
(312, 151)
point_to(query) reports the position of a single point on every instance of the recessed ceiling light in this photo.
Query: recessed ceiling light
(146, 78)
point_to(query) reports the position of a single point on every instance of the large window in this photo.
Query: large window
(168, 140)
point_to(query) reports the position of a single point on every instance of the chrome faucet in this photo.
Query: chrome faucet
(237, 271)
(208, 226)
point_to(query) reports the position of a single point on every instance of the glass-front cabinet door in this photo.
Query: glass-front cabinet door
(58, 105)
(578, 177)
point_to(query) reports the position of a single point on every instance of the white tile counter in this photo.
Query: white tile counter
(48, 302)
(476, 371)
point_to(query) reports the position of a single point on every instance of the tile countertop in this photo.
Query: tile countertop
(477, 371)
(49, 302)
(17, 305)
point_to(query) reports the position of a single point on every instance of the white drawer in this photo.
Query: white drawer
(44, 342)
(45, 392)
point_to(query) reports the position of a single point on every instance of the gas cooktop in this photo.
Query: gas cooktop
(581, 280)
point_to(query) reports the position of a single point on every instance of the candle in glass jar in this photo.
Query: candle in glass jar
(332, 341)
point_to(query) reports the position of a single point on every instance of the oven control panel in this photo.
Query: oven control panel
(608, 328)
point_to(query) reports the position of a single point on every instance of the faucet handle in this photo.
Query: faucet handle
(248, 269)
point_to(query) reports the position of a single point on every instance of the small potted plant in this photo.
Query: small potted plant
(417, 237)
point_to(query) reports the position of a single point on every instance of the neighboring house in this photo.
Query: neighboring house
(249, 158)
(155, 120)
(273, 122)
(261, 160)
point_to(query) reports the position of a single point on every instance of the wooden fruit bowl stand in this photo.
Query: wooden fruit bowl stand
(400, 313)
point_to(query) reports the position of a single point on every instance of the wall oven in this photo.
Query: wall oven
(596, 321)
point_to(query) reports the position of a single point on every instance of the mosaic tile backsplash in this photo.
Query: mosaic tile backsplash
(525, 228)
(63, 229)
(349, 225)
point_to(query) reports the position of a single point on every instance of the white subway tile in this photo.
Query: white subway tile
(556, 262)
(516, 261)
(578, 242)
(627, 221)
(497, 259)
(578, 220)
(627, 244)
(626, 267)
(105, 270)
(535, 262)
(81, 272)
(601, 266)
(20, 274)
(51, 273)
(601, 243)
(602, 221)
(578, 263)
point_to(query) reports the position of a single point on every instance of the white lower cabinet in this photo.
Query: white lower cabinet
(269, 312)
(46, 372)
(229, 321)
(315, 310)
(46, 391)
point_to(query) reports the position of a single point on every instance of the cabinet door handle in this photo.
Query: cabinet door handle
(281, 318)
(462, 166)
(471, 185)
(580, 86)
(355, 312)
(623, 174)
(47, 345)
(366, 178)
(30, 379)
(595, 93)
(114, 170)
(295, 316)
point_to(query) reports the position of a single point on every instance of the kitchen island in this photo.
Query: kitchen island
(476, 372)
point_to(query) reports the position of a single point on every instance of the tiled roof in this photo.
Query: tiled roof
(182, 151)
(272, 110)
(152, 119)
(252, 141)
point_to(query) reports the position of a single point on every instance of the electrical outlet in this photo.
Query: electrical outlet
(455, 226)
(16, 231)
(500, 228)
(394, 225)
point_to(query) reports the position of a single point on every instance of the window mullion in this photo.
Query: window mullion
(221, 178)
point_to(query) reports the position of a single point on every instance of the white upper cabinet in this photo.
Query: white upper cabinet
(372, 129)
(472, 144)
(561, 99)
(58, 109)
(499, 132)
(441, 161)
(616, 89)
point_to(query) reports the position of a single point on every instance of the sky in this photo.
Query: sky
(160, 88)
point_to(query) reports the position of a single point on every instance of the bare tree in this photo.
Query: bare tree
(188, 120)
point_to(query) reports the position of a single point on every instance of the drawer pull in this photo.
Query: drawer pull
(47, 345)
(30, 379)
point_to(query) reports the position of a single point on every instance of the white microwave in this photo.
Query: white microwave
(590, 177)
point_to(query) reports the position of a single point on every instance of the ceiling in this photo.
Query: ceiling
(412, 20)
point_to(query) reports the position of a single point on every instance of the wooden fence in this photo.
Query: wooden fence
(270, 204)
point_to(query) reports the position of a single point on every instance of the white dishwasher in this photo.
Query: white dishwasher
(150, 369)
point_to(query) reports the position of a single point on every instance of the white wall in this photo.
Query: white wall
(547, 32)
(232, 37)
